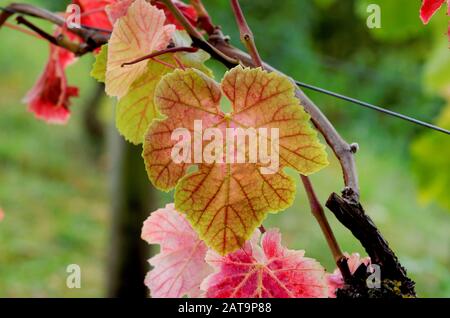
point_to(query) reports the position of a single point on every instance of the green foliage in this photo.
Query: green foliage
(399, 19)
(431, 154)
(437, 69)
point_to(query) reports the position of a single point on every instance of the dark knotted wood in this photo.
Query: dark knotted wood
(394, 280)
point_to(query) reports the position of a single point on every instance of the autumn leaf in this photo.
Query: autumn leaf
(268, 270)
(180, 266)
(336, 281)
(225, 202)
(140, 32)
(93, 13)
(99, 68)
(117, 10)
(430, 7)
(136, 110)
(49, 99)
(188, 11)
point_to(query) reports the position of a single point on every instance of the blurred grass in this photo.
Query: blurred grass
(55, 194)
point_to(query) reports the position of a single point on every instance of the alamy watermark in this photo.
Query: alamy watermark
(374, 19)
(73, 16)
(374, 279)
(238, 145)
(73, 280)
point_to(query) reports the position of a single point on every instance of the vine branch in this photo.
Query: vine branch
(204, 20)
(318, 212)
(92, 38)
(246, 33)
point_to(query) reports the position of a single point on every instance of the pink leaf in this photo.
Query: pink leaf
(117, 10)
(336, 281)
(180, 266)
(2, 214)
(140, 32)
(268, 270)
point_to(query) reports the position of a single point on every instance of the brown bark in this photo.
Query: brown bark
(395, 281)
(132, 199)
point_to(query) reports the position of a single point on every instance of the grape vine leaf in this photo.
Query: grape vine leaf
(268, 270)
(49, 98)
(99, 68)
(180, 266)
(140, 32)
(136, 110)
(225, 202)
(336, 281)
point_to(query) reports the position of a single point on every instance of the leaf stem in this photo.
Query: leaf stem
(318, 212)
(162, 52)
(195, 34)
(246, 33)
(204, 20)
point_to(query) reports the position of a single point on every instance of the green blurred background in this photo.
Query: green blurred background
(54, 179)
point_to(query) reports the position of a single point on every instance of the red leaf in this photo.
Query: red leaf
(93, 13)
(187, 10)
(429, 8)
(49, 99)
(269, 270)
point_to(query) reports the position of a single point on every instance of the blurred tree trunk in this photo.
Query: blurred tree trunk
(91, 120)
(132, 198)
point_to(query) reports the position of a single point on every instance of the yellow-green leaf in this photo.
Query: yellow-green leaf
(99, 68)
(225, 201)
(136, 110)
